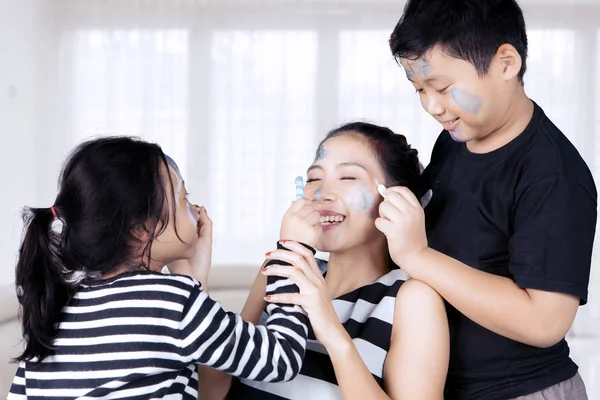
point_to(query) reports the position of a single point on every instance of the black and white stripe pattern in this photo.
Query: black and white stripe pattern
(140, 335)
(367, 314)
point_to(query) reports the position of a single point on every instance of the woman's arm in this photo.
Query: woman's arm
(417, 362)
(214, 384)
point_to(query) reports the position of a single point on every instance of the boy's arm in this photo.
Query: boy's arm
(550, 252)
(534, 317)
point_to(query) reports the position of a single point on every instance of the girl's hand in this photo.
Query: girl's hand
(199, 264)
(313, 296)
(301, 223)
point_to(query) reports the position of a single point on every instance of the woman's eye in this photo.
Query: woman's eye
(309, 180)
(348, 178)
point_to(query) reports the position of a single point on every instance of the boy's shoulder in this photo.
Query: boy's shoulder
(541, 150)
(546, 151)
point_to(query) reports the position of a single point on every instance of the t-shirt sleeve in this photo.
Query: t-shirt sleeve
(17, 390)
(223, 340)
(554, 222)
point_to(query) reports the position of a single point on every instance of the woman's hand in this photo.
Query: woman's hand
(313, 296)
(199, 264)
(301, 223)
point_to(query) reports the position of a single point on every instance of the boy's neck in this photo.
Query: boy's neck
(354, 268)
(517, 118)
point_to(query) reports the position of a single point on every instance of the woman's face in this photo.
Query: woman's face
(342, 182)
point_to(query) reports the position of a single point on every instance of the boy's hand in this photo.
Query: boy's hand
(403, 222)
(301, 223)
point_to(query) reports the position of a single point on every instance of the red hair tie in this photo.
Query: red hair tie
(54, 212)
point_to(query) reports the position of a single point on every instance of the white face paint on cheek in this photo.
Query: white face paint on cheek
(178, 183)
(361, 199)
(192, 214)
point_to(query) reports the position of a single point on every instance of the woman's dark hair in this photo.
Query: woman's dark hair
(471, 30)
(399, 162)
(110, 190)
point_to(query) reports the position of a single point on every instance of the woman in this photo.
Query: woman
(374, 334)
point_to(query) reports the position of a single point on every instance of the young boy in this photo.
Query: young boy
(512, 217)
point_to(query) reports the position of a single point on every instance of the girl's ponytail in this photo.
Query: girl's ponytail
(41, 288)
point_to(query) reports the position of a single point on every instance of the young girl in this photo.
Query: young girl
(99, 319)
(374, 335)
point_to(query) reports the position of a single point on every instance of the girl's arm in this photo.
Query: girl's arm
(210, 336)
(214, 384)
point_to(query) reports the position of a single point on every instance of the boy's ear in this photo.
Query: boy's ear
(508, 61)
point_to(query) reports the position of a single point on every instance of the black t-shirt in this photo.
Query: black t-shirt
(526, 211)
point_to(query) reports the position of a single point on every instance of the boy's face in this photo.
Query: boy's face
(467, 106)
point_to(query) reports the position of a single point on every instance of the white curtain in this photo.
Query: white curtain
(239, 93)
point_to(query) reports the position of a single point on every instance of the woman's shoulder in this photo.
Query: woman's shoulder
(394, 276)
(416, 294)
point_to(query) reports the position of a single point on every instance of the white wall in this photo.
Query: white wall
(24, 30)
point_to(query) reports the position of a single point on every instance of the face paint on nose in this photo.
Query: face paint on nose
(192, 213)
(318, 195)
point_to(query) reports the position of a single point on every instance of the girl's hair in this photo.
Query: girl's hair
(398, 161)
(111, 192)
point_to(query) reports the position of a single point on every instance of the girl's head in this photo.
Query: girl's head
(343, 179)
(122, 206)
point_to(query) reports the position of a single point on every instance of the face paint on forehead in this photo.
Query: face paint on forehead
(321, 153)
(172, 164)
(173, 167)
(419, 68)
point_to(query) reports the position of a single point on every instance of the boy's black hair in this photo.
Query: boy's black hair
(471, 30)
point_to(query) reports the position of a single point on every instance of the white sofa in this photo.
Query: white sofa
(229, 285)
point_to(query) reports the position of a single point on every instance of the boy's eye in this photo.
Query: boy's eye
(419, 91)
(442, 91)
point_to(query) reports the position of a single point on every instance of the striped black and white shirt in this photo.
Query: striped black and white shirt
(367, 313)
(140, 335)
